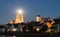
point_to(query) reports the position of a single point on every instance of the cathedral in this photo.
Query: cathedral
(19, 17)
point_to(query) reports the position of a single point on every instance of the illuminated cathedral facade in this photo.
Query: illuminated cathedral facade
(19, 17)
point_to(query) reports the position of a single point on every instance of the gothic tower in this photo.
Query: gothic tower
(19, 17)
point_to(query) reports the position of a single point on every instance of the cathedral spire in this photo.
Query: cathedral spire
(19, 17)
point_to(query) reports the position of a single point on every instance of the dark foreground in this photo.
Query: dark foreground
(30, 34)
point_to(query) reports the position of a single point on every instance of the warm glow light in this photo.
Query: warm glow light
(37, 29)
(14, 29)
(14, 36)
(19, 11)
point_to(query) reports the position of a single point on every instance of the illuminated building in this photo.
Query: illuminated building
(38, 18)
(12, 22)
(48, 24)
(19, 17)
(43, 20)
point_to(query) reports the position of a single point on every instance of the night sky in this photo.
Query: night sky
(31, 8)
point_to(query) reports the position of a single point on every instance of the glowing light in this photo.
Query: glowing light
(19, 11)
(27, 30)
(14, 36)
(14, 29)
(37, 29)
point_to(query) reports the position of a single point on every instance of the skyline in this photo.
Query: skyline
(31, 8)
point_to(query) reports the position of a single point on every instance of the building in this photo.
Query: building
(43, 20)
(19, 17)
(12, 22)
(38, 18)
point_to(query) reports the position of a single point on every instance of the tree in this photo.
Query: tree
(44, 28)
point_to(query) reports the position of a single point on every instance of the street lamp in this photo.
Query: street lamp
(37, 29)
(14, 29)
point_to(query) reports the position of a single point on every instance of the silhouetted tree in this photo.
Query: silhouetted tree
(44, 28)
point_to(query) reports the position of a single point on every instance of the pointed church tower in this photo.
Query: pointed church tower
(19, 17)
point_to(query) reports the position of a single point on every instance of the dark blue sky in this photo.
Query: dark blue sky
(31, 9)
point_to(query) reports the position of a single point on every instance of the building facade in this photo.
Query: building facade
(19, 18)
(38, 18)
